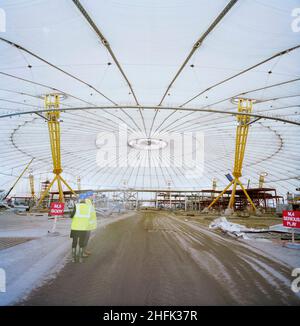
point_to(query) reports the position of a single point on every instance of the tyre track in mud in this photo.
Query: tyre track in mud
(155, 258)
(250, 275)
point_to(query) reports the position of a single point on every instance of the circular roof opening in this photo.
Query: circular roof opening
(147, 143)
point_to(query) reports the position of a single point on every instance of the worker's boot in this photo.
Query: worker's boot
(80, 255)
(73, 255)
(86, 253)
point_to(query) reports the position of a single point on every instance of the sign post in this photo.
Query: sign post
(291, 219)
(56, 209)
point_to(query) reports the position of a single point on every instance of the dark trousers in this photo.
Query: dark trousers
(79, 237)
(87, 237)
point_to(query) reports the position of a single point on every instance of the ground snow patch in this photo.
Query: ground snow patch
(235, 229)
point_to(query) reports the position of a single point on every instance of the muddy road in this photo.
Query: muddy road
(154, 258)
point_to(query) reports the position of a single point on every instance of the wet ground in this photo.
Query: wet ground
(155, 258)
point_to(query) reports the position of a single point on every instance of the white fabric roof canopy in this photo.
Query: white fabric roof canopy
(151, 40)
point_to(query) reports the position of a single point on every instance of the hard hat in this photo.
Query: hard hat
(86, 195)
(89, 194)
(82, 196)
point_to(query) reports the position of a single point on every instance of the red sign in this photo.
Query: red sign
(291, 219)
(57, 209)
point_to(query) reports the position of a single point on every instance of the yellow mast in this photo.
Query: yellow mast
(261, 180)
(244, 106)
(52, 102)
(31, 183)
(18, 179)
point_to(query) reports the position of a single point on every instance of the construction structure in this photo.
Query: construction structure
(166, 125)
(52, 116)
(160, 138)
(185, 200)
(243, 122)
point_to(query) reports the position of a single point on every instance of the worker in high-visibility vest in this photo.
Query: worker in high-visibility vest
(92, 226)
(80, 227)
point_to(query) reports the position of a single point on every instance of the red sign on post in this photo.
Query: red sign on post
(291, 219)
(57, 209)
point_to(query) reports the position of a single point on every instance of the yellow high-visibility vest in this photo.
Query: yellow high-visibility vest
(93, 216)
(80, 221)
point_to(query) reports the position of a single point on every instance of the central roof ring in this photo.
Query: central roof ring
(147, 143)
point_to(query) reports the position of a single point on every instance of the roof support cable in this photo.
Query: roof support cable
(56, 67)
(192, 121)
(232, 77)
(243, 72)
(196, 46)
(199, 43)
(64, 93)
(40, 115)
(39, 97)
(252, 91)
(45, 86)
(176, 108)
(110, 51)
(218, 102)
(105, 43)
(250, 123)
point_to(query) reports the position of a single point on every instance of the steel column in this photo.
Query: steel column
(242, 129)
(52, 102)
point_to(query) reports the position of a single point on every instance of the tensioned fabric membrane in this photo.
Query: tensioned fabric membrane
(137, 80)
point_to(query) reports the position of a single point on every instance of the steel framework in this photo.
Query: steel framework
(52, 102)
(242, 129)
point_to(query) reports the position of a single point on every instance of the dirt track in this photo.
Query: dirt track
(157, 259)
